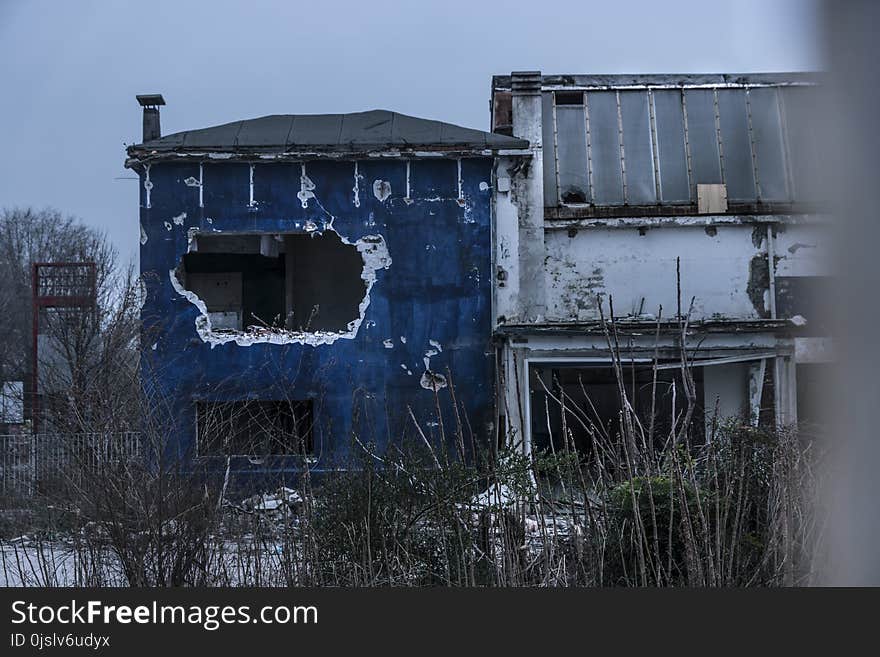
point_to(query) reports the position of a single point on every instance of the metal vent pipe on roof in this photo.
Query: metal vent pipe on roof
(523, 83)
(151, 103)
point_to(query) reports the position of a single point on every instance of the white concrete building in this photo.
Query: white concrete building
(689, 203)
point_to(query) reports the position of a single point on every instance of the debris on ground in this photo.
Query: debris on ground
(276, 503)
(497, 495)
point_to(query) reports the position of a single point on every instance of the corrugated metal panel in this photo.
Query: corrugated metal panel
(548, 138)
(736, 146)
(669, 119)
(767, 137)
(637, 148)
(702, 136)
(649, 147)
(607, 178)
(571, 142)
(799, 111)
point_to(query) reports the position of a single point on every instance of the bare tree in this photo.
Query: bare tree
(90, 354)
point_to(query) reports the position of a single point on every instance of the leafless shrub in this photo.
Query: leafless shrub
(441, 508)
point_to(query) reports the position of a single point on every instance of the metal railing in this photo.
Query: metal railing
(31, 464)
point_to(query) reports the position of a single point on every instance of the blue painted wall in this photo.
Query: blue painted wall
(437, 288)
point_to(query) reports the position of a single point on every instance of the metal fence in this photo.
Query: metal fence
(32, 464)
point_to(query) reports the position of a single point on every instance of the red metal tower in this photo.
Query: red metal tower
(57, 285)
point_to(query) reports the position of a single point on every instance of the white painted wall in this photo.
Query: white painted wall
(628, 266)
(506, 247)
(803, 250)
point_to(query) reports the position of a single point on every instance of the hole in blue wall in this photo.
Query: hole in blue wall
(289, 281)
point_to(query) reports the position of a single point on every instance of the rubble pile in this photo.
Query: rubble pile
(273, 505)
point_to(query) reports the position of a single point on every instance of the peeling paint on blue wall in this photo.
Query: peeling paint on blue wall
(426, 313)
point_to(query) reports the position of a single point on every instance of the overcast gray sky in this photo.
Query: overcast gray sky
(69, 70)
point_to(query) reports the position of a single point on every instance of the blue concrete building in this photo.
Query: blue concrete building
(315, 279)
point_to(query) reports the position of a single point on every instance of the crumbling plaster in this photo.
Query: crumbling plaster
(643, 269)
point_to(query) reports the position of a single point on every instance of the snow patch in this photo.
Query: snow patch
(497, 495)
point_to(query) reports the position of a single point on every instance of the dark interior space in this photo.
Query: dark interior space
(301, 282)
(812, 393)
(260, 295)
(807, 296)
(592, 403)
(254, 428)
(324, 284)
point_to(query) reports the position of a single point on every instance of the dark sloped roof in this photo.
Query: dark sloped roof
(357, 132)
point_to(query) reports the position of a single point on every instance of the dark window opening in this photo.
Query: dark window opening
(569, 97)
(324, 284)
(502, 113)
(813, 383)
(298, 282)
(255, 428)
(589, 399)
(239, 289)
